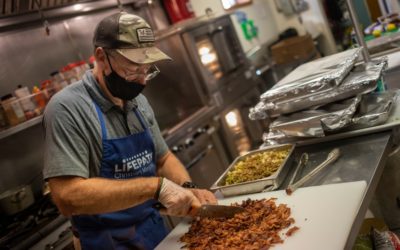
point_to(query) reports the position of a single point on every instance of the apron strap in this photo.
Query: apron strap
(103, 124)
(101, 119)
(140, 117)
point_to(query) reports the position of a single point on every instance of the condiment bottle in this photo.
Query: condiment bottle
(69, 73)
(13, 109)
(58, 80)
(39, 97)
(26, 101)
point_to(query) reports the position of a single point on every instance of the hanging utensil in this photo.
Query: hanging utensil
(332, 157)
(46, 24)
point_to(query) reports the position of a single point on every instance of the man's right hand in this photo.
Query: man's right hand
(177, 200)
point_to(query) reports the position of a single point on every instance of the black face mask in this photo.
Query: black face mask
(121, 88)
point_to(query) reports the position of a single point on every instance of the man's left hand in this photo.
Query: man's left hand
(204, 196)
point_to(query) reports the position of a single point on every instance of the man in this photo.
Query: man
(105, 159)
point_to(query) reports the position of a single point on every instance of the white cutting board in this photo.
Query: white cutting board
(325, 215)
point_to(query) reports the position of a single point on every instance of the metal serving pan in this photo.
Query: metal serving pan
(257, 185)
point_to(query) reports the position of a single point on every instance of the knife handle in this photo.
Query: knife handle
(160, 207)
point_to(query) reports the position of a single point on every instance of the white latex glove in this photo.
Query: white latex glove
(177, 200)
(204, 196)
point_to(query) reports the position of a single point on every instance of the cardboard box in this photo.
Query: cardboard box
(293, 49)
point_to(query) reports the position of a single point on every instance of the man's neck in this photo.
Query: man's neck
(100, 80)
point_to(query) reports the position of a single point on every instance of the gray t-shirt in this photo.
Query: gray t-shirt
(72, 128)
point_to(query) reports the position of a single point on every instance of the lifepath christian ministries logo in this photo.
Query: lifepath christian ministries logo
(133, 166)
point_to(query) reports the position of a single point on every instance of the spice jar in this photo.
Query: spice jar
(12, 108)
(39, 97)
(26, 101)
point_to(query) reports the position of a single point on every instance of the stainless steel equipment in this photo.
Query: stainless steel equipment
(202, 154)
(242, 134)
(200, 149)
(208, 49)
(17, 199)
(257, 185)
(174, 93)
(358, 30)
(216, 51)
(209, 65)
(40, 224)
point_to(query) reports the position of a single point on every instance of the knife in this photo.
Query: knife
(212, 211)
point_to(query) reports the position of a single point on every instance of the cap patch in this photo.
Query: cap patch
(145, 35)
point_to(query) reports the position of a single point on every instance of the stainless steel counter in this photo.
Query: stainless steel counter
(362, 158)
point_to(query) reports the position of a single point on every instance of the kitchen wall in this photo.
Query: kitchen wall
(315, 21)
(268, 20)
(271, 22)
(29, 56)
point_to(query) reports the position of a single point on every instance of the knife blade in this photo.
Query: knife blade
(212, 211)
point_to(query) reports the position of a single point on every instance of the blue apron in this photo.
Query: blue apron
(139, 227)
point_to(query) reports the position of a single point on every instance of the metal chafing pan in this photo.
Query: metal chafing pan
(257, 185)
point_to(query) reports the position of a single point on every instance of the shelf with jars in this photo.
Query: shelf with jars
(24, 108)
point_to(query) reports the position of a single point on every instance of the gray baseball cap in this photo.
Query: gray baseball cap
(131, 36)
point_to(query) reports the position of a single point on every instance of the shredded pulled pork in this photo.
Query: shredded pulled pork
(257, 227)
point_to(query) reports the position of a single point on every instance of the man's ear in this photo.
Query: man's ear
(101, 59)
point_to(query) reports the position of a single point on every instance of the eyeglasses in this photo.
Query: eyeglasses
(150, 73)
(125, 65)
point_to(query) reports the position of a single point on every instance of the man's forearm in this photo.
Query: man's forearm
(75, 195)
(170, 167)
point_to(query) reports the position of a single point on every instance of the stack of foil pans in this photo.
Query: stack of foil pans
(355, 113)
(313, 77)
(362, 79)
(324, 96)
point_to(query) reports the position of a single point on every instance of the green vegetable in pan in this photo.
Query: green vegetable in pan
(256, 166)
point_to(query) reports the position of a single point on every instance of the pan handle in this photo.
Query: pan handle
(19, 196)
(200, 156)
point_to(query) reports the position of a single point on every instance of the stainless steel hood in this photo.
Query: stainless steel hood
(16, 7)
(17, 12)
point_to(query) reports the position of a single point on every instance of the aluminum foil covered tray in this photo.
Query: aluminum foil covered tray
(361, 80)
(319, 75)
(373, 109)
(314, 123)
(257, 185)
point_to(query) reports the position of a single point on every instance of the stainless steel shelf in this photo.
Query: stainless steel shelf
(20, 127)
